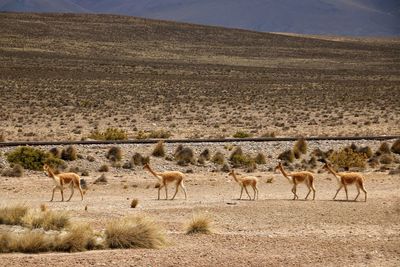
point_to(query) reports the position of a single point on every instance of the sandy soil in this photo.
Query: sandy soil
(271, 231)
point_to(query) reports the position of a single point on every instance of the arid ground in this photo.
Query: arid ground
(65, 76)
(274, 230)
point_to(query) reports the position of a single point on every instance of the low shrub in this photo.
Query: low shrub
(114, 154)
(300, 146)
(218, 158)
(185, 155)
(104, 168)
(347, 158)
(396, 147)
(241, 134)
(109, 134)
(260, 158)
(32, 159)
(69, 153)
(287, 156)
(159, 150)
(138, 159)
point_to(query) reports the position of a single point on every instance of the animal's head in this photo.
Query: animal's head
(146, 166)
(46, 169)
(232, 172)
(326, 166)
(278, 167)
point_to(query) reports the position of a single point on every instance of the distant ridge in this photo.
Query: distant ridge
(329, 17)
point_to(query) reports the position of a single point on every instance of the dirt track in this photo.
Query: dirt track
(271, 231)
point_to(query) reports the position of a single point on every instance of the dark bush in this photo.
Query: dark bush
(185, 155)
(114, 154)
(159, 150)
(396, 147)
(218, 158)
(69, 153)
(287, 155)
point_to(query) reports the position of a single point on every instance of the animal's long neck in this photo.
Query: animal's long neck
(51, 173)
(333, 172)
(236, 178)
(285, 174)
(154, 173)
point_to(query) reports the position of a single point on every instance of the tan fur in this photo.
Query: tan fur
(244, 182)
(167, 177)
(62, 180)
(298, 177)
(347, 178)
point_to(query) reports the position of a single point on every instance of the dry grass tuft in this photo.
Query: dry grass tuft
(200, 224)
(27, 242)
(134, 203)
(13, 215)
(134, 232)
(79, 237)
(48, 220)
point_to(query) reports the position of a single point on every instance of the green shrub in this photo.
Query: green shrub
(239, 159)
(159, 134)
(159, 150)
(347, 158)
(260, 158)
(32, 159)
(109, 134)
(241, 134)
(114, 154)
(69, 153)
(218, 158)
(56, 152)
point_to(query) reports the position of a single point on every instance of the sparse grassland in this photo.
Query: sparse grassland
(113, 77)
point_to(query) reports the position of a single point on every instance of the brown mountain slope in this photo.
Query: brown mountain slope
(63, 76)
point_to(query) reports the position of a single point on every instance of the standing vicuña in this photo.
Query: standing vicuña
(296, 178)
(63, 180)
(244, 182)
(167, 177)
(344, 179)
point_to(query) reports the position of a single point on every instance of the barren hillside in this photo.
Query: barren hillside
(64, 76)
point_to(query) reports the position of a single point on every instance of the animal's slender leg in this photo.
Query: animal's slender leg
(245, 188)
(184, 189)
(52, 196)
(340, 187)
(241, 192)
(72, 192)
